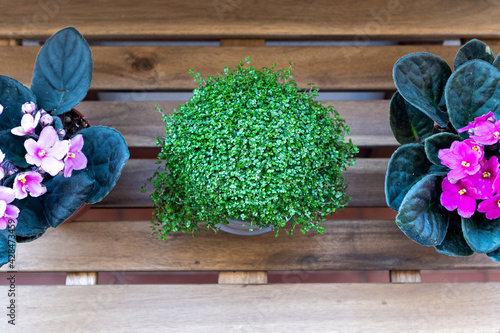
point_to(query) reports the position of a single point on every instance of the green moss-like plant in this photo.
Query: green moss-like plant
(250, 145)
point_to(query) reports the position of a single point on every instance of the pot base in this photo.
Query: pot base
(240, 227)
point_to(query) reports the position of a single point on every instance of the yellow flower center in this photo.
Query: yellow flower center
(486, 174)
(465, 164)
(42, 153)
(496, 134)
(71, 155)
(498, 203)
(475, 147)
(23, 180)
(462, 191)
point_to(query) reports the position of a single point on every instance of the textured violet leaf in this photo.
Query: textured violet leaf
(421, 79)
(12, 96)
(474, 49)
(437, 142)
(482, 235)
(454, 243)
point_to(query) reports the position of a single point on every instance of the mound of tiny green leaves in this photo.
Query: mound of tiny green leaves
(250, 145)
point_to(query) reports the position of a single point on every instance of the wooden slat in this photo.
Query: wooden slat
(142, 68)
(443, 307)
(81, 279)
(365, 179)
(367, 19)
(127, 246)
(140, 123)
(408, 276)
(243, 277)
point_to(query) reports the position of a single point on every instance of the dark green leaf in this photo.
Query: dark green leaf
(7, 246)
(65, 195)
(13, 148)
(406, 167)
(420, 216)
(12, 96)
(454, 243)
(421, 78)
(496, 63)
(437, 142)
(475, 49)
(482, 235)
(408, 124)
(31, 222)
(106, 153)
(495, 255)
(472, 91)
(63, 71)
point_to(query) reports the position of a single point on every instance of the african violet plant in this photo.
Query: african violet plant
(444, 180)
(250, 146)
(51, 161)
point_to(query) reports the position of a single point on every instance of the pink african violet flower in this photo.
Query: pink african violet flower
(28, 108)
(491, 207)
(487, 133)
(461, 195)
(48, 152)
(489, 117)
(31, 182)
(75, 160)
(7, 212)
(484, 179)
(462, 158)
(28, 125)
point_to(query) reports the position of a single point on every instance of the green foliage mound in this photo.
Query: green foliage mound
(250, 145)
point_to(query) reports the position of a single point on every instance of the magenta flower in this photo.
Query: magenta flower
(485, 177)
(31, 182)
(461, 195)
(7, 212)
(489, 117)
(48, 152)
(462, 158)
(75, 160)
(487, 133)
(28, 125)
(491, 207)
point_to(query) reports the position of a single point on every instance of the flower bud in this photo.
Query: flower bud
(46, 120)
(28, 108)
(9, 168)
(61, 133)
(42, 112)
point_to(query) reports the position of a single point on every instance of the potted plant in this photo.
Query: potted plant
(51, 161)
(250, 150)
(443, 180)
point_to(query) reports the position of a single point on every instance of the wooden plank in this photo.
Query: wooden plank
(193, 19)
(440, 307)
(243, 277)
(366, 184)
(398, 276)
(140, 123)
(81, 278)
(128, 246)
(145, 68)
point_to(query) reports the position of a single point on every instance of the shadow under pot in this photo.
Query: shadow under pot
(241, 227)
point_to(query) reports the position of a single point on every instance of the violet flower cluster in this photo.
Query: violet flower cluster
(473, 176)
(46, 153)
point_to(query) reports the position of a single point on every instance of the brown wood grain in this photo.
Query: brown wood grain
(243, 277)
(128, 246)
(140, 123)
(430, 307)
(365, 179)
(195, 19)
(408, 276)
(145, 68)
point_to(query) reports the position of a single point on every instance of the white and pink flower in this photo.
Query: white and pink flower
(28, 182)
(8, 213)
(47, 152)
(75, 159)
